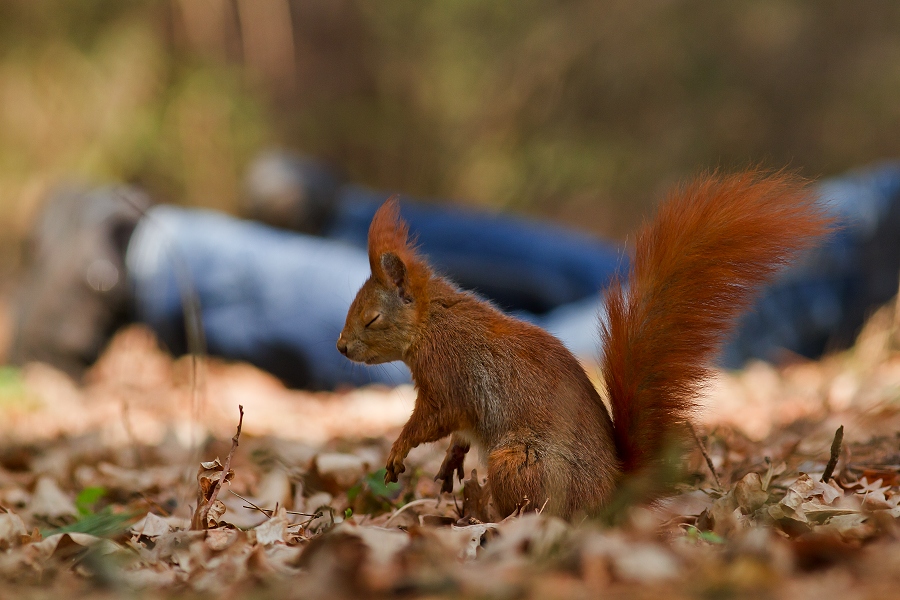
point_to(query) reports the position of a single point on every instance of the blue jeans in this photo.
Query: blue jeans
(278, 299)
(520, 265)
(822, 300)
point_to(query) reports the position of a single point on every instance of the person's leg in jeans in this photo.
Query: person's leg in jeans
(518, 263)
(818, 303)
(270, 297)
(822, 302)
(278, 299)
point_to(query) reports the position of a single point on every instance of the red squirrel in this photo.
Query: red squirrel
(512, 389)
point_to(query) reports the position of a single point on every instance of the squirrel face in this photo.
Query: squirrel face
(381, 319)
(388, 309)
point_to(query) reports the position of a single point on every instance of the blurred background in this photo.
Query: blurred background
(577, 111)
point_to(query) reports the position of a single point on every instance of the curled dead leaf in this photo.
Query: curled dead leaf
(214, 515)
(749, 493)
(207, 515)
(12, 530)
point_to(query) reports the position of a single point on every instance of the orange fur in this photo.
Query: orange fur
(516, 392)
(697, 266)
(388, 233)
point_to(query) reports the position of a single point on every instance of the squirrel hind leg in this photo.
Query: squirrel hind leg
(521, 478)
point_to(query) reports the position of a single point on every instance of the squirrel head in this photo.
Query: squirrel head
(386, 313)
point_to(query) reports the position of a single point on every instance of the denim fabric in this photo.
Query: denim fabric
(822, 300)
(517, 263)
(817, 303)
(278, 299)
(273, 298)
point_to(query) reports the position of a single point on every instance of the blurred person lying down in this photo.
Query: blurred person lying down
(273, 290)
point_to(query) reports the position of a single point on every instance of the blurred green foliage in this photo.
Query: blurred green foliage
(13, 392)
(578, 110)
(87, 498)
(102, 523)
(372, 494)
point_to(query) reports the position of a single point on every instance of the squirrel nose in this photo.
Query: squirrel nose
(342, 345)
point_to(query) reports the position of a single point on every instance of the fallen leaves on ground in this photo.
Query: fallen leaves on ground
(98, 485)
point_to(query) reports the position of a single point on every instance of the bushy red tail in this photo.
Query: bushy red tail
(697, 265)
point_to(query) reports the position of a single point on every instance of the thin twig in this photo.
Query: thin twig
(204, 511)
(418, 502)
(835, 454)
(193, 321)
(540, 512)
(235, 441)
(709, 462)
(268, 511)
(312, 518)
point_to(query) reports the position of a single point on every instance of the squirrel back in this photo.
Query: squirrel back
(509, 387)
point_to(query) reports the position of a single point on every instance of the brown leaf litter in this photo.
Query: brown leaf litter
(99, 485)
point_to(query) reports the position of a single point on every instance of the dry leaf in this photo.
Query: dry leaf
(476, 499)
(338, 472)
(749, 493)
(12, 530)
(221, 538)
(50, 502)
(150, 526)
(273, 530)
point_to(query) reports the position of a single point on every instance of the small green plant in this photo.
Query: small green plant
(102, 523)
(696, 535)
(372, 494)
(87, 499)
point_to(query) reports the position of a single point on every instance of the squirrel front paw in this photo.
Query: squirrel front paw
(453, 461)
(394, 467)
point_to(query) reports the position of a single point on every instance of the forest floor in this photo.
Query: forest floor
(99, 483)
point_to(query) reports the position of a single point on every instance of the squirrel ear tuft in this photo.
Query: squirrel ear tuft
(387, 233)
(396, 274)
(391, 254)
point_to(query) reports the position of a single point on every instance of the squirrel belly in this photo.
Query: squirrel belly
(514, 390)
